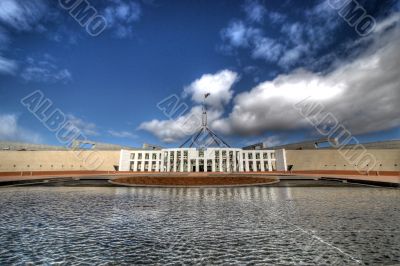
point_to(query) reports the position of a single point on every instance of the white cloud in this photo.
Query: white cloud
(34, 16)
(120, 16)
(291, 56)
(64, 34)
(21, 15)
(295, 32)
(238, 34)
(276, 17)
(297, 40)
(304, 39)
(255, 11)
(88, 128)
(173, 130)
(4, 38)
(10, 130)
(218, 84)
(392, 20)
(44, 69)
(363, 94)
(122, 134)
(267, 49)
(7, 66)
(28, 16)
(269, 106)
(272, 141)
(8, 125)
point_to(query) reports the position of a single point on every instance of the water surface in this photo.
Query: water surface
(256, 225)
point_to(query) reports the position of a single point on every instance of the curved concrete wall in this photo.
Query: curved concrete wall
(11, 161)
(386, 160)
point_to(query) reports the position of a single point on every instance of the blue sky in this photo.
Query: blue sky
(256, 58)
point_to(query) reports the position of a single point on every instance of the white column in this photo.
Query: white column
(161, 161)
(189, 169)
(254, 162)
(234, 162)
(204, 164)
(241, 162)
(247, 165)
(175, 153)
(213, 164)
(142, 168)
(168, 161)
(280, 160)
(197, 164)
(158, 158)
(220, 162)
(182, 158)
(134, 165)
(262, 163)
(228, 162)
(269, 162)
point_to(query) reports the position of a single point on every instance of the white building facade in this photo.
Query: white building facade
(202, 160)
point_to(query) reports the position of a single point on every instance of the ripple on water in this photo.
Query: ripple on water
(257, 225)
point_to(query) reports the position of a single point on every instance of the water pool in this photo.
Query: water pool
(169, 226)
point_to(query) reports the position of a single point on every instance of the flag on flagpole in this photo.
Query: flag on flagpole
(206, 95)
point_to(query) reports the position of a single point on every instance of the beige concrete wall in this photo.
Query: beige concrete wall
(11, 161)
(387, 160)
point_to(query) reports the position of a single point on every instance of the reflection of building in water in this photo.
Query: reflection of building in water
(202, 160)
(251, 194)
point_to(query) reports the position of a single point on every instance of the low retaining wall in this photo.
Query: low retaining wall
(375, 176)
